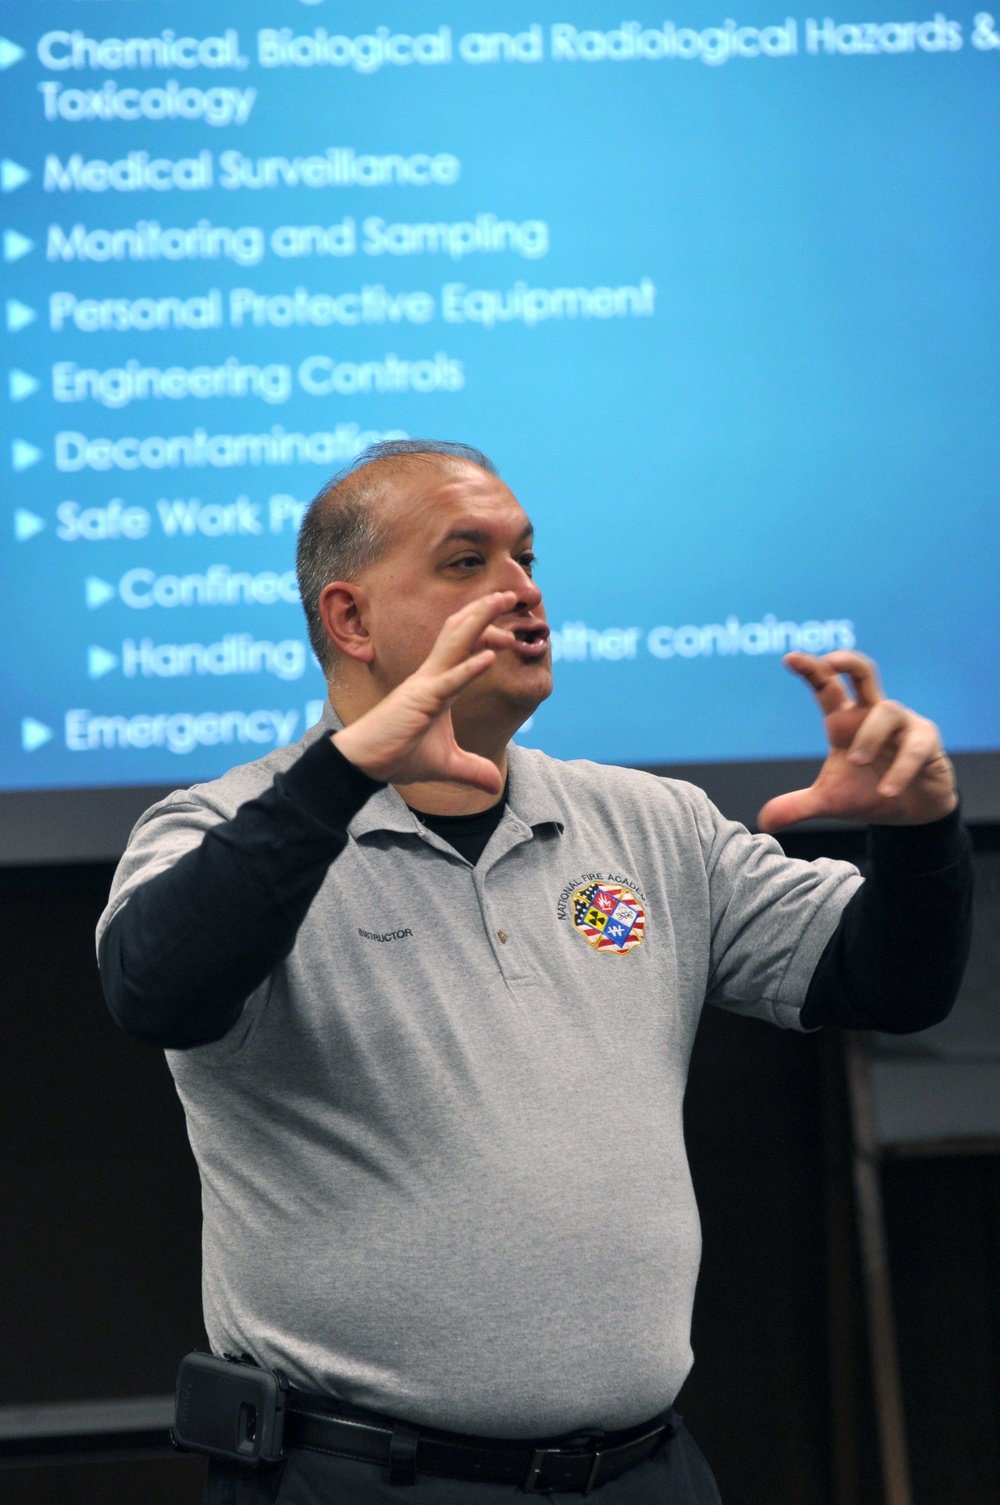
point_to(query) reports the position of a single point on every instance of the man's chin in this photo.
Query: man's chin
(505, 701)
(525, 690)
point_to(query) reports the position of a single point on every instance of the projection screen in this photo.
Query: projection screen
(716, 292)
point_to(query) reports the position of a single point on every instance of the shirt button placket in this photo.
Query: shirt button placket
(502, 938)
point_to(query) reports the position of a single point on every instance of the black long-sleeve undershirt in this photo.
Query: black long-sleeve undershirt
(179, 959)
(896, 959)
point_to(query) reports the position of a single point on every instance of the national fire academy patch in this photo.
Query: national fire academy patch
(609, 917)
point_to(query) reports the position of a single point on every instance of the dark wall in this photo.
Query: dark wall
(102, 1193)
(99, 1259)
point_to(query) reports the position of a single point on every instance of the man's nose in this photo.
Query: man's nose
(517, 579)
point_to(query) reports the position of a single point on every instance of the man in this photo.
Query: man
(429, 998)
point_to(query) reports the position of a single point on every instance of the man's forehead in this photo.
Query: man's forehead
(462, 500)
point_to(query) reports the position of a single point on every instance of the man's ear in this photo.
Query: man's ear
(343, 608)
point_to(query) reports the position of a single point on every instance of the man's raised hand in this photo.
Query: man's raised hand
(408, 738)
(886, 764)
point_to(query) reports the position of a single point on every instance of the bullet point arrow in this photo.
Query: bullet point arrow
(34, 734)
(97, 591)
(19, 315)
(24, 455)
(20, 385)
(100, 662)
(10, 53)
(27, 524)
(16, 245)
(12, 175)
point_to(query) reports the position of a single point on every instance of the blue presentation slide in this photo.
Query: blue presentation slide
(717, 291)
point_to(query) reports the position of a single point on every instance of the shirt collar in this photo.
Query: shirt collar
(530, 798)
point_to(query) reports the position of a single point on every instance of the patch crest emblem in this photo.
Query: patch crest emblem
(609, 917)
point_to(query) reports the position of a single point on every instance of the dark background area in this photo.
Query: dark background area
(99, 1262)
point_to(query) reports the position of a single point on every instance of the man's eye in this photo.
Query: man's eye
(527, 563)
(468, 561)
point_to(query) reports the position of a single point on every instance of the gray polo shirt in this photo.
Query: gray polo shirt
(441, 1151)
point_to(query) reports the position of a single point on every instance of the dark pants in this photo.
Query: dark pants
(678, 1475)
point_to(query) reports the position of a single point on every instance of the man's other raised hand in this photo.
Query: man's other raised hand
(408, 738)
(886, 765)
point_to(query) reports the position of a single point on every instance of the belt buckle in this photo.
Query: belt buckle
(538, 1457)
(531, 1485)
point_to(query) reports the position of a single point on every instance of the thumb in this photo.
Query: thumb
(464, 767)
(786, 809)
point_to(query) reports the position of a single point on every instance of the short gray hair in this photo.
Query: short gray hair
(340, 534)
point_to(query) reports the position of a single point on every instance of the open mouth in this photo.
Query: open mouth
(531, 642)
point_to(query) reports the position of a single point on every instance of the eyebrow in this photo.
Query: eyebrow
(481, 536)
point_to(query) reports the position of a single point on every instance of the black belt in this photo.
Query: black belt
(577, 1466)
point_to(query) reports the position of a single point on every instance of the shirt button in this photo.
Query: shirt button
(502, 937)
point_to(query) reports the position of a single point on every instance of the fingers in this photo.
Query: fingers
(462, 631)
(861, 671)
(453, 681)
(786, 809)
(919, 745)
(498, 637)
(823, 675)
(913, 739)
(879, 727)
(824, 681)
